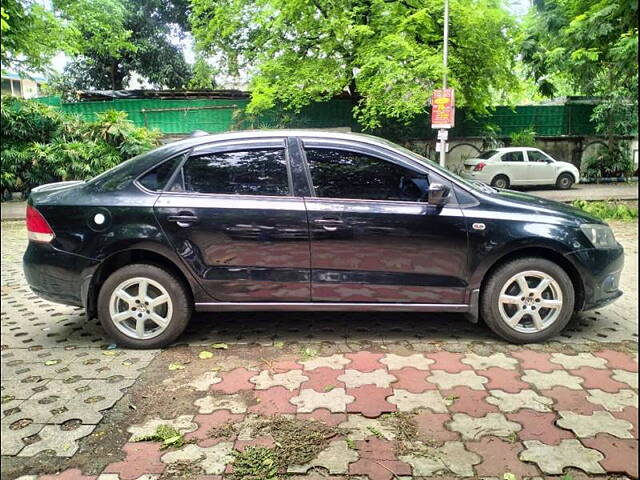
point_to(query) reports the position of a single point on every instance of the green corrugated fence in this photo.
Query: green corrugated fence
(219, 115)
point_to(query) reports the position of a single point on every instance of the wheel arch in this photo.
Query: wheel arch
(568, 171)
(127, 257)
(548, 254)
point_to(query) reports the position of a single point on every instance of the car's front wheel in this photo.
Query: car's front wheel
(528, 300)
(564, 181)
(143, 306)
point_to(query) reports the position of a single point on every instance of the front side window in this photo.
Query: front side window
(535, 156)
(513, 157)
(344, 174)
(249, 172)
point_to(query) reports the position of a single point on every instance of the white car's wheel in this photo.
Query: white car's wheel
(500, 181)
(564, 181)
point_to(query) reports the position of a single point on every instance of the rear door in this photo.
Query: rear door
(516, 167)
(231, 215)
(374, 239)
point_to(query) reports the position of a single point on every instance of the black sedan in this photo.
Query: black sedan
(302, 220)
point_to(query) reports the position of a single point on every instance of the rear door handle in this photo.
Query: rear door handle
(329, 224)
(184, 219)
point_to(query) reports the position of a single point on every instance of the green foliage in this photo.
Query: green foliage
(255, 463)
(608, 210)
(608, 163)
(523, 138)
(386, 54)
(41, 145)
(169, 436)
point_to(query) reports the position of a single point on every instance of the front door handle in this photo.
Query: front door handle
(329, 224)
(183, 219)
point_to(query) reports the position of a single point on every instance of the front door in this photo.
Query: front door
(517, 168)
(541, 168)
(231, 216)
(373, 236)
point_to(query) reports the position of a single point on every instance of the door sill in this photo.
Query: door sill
(327, 307)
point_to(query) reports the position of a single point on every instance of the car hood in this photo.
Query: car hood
(542, 205)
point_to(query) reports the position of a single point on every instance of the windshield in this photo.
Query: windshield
(473, 184)
(487, 154)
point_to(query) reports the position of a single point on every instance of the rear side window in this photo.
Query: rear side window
(156, 179)
(487, 155)
(343, 174)
(513, 157)
(249, 172)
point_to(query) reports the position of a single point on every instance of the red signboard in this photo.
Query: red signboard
(442, 108)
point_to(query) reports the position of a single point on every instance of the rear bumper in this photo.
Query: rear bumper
(57, 276)
(600, 271)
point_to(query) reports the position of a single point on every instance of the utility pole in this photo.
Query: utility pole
(445, 57)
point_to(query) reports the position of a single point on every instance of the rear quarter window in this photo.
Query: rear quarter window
(156, 179)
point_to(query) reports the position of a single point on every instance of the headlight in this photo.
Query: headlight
(600, 236)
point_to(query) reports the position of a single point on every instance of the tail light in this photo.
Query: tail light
(479, 167)
(38, 230)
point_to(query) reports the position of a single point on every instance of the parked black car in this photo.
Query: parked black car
(305, 220)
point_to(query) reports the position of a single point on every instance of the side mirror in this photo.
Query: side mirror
(438, 194)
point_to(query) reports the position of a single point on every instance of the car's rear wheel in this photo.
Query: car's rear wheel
(528, 300)
(500, 181)
(564, 181)
(143, 306)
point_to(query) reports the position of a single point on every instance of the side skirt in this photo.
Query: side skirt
(330, 307)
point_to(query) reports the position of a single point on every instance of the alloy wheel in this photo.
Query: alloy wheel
(530, 301)
(141, 308)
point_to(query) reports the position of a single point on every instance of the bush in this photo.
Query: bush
(523, 138)
(608, 210)
(605, 163)
(41, 145)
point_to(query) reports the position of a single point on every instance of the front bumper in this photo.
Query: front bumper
(599, 270)
(56, 275)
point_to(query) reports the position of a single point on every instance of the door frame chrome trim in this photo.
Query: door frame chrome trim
(330, 307)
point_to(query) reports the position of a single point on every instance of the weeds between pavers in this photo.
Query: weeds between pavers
(297, 442)
(226, 430)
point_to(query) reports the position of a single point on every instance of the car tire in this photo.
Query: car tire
(503, 289)
(500, 181)
(164, 302)
(564, 181)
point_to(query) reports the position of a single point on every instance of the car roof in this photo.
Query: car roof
(513, 149)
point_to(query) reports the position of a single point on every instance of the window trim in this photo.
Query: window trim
(391, 157)
(278, 144)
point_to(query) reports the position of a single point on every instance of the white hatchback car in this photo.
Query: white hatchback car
(504, 167)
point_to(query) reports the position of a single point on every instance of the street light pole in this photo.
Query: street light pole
(445, 58)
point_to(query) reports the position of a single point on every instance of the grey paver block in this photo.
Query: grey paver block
(182, 423)
(63, 443)
(473, 428)
(500, 360)
(396, 362)
(590, 425)
(335, 458)
(512, 402)
(355, 378)
(335, 400)
(614, 402)
(407, 401)
(213, 460)
(451, 457)
(552, 459)
(290, 380)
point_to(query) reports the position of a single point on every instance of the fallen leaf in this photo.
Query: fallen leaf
(219, 346)
(204, 355)
(51, 362)
(176, 366)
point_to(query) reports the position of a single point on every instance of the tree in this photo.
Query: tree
(31, 36)
(147, 44)
(591, 47)
(385, 54)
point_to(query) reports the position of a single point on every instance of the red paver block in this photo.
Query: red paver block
(630, 414)
(500, 456)
(365, 361)
(530, 360)
(209, 421)
(325, 416)
(412, 380)
(320, 379)
(447, 361)
(378, 460)
(142, 457)
(283, 366)
(598, 378)
(71, 474)
(619, 360)
(370, 401)
(620, 456)
(274, 400)
(502, 379)
(469, 401)
(431, 427)
(234, 381)
(572, 400)
(539, 426)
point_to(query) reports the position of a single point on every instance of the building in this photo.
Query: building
(21, 85)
